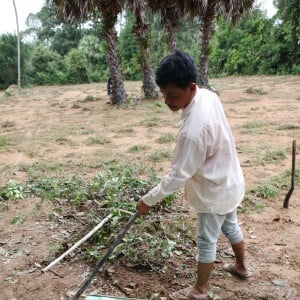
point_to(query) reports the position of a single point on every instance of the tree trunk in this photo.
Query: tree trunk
(206, 28)
(140, 30)
(117, 91)
(171, 31)
(18, 45)
(149, 86)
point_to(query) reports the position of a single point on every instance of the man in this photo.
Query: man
(205, 162)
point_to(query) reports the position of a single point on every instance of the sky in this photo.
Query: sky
(25, 7)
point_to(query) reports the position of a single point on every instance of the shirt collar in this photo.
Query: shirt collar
(187, 110)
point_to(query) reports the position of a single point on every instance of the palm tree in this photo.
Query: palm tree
(18, 45)
(141, 31)
(170, 14)
(108, 10)
(207, 10)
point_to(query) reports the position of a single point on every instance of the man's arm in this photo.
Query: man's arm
(187, 158)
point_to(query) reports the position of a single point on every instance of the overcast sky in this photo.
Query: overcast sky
(25, 7)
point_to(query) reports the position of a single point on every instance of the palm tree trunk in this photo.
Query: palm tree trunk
(18, 45)
(149, 86)
(140, 30)
(171, 29)
(117, 95)
(206, 28)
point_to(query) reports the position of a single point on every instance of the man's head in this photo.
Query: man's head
(176, 77)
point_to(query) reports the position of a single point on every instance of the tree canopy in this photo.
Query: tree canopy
(58, 52)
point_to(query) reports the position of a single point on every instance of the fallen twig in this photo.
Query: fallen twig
(78, 243)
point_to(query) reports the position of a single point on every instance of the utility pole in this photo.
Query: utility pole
(18, 45)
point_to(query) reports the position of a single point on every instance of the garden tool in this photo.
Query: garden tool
(116, 241)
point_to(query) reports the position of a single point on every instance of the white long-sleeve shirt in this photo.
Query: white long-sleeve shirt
(205, 159)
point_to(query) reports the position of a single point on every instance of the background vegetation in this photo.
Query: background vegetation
(57, 53)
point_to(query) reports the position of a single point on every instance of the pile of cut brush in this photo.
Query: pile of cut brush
(108, 199)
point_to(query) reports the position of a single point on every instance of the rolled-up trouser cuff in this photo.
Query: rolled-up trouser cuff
(208, 231)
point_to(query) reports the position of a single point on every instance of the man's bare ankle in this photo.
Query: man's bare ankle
(200, 289)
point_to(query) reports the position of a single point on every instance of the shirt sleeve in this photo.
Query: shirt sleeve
(187, 158)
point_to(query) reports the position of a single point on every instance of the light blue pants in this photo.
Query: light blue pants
(208, 232)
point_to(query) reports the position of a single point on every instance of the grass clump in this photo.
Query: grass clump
(151, 122)
(101, 140)
(255, 91)
(13, 90)
(266, 189)
(18, 219)
(138, 148)
(160, 155)
(271, 156)
(243, 100)
(5, 141)
(90, 98)
(251, 203)
(128, 129)
(288, 127)
(270, 187)
(8, 124)
(166, 138)
(251, 127)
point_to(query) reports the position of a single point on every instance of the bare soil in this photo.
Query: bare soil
(48, 130)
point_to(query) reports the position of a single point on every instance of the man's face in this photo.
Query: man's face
(178, 98)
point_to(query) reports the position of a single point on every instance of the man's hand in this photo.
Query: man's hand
(142, 208)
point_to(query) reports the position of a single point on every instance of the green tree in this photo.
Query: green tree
(52, 32)
(159, 45)
(129, 51)
(287, 35)
(247, 48)
(93, 50)
(45, 67)
(8, 60)
(188, 37)
(76, 64)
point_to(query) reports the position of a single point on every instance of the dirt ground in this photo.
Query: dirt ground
(48, 130)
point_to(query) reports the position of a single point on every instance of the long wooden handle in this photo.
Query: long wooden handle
(117, 240)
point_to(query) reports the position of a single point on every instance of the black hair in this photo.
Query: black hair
(177, 68)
